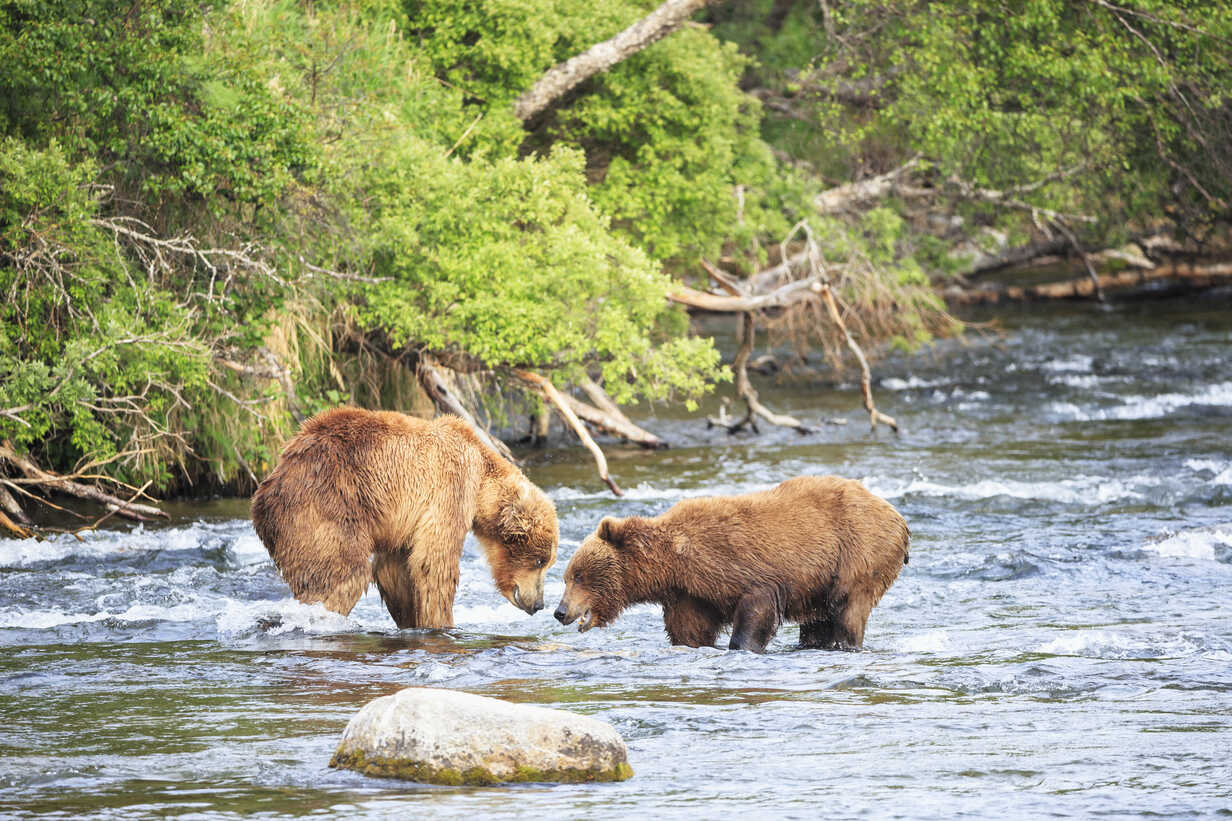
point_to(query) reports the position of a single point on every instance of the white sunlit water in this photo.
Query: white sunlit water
(1059, 645)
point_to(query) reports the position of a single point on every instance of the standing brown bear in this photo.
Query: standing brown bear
(374, 496)
(819, 551)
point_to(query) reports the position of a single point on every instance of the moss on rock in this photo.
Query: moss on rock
(407, 770)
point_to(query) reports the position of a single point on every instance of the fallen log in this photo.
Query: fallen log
(47, 480)
(447, 401)
(1199, 276)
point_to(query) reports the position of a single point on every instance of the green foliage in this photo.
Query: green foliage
(500, 259)
(667, 133)
(190, 193)
(92, 361)
(1117, 111)
(129, 86)
(509, 263)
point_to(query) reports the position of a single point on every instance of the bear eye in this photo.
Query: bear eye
(541, 563)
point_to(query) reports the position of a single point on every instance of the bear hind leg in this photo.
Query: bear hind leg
(756, 621)
(330, 567)
(852, 622)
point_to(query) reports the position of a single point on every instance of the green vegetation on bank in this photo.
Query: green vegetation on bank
(218, 217)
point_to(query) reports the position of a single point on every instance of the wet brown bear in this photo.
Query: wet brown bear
(374, 496)
(819, 551)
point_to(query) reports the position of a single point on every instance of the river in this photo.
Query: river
(1060, 644)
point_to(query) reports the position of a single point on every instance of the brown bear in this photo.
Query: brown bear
(374, 496)
(819, 551)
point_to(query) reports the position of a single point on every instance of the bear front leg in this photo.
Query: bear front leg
(756, 621)
(433, 566)
(392, 574)
(691, 622)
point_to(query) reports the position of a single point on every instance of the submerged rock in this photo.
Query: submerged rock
(446, 737)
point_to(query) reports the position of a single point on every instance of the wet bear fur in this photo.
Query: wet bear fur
(374, 496)
(819, 551)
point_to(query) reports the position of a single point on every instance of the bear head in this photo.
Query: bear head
(519, 541)
(594, 580)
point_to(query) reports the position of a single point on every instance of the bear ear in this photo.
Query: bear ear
(612, 531)
(514, 524)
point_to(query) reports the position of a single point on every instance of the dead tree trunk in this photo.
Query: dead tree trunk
(562, 78)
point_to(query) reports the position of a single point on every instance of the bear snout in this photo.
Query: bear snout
(561, 614)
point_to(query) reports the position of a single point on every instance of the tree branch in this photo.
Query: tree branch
(549, 392)
(51, 481)
(605, 415)
(562, 78)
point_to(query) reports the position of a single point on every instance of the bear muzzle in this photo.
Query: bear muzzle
(565, 615)
(531, 606)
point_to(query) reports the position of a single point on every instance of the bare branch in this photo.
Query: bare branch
(793, 292)
(614, 424)
(549, 392)
(12, 413)
(342, 274)
(562, 78)
(854, 194)
(54, 482)
(874, 415)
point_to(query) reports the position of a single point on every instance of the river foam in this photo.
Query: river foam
(1135, 407)
(1198, 543)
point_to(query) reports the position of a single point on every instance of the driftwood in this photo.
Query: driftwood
(607, 417)
(1199, 276)
(816, 286)
(566, 76)
(746, 391)
(34, 478)
(447, 401)
(558, 400)
(47, 480)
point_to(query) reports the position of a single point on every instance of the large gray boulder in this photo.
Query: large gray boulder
(446, 737)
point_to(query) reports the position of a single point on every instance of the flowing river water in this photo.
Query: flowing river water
(1060, 644)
